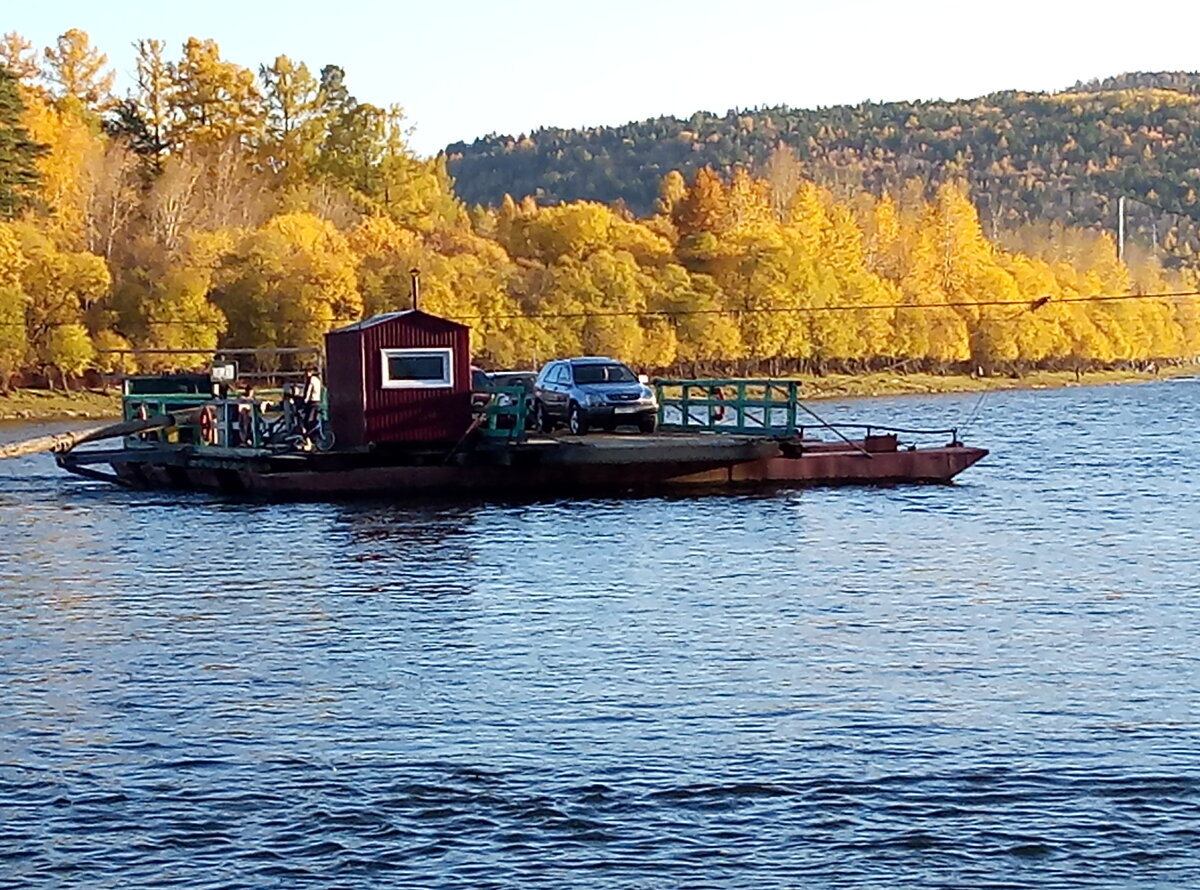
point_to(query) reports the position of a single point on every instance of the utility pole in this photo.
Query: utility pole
(1121, 229)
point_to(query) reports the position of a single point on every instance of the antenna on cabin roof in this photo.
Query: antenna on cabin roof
(416, 287)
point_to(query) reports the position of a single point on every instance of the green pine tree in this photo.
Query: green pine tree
(18, 153)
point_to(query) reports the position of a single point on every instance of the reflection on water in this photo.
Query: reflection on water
(990, 683)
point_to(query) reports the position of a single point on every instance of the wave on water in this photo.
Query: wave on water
(988, 684)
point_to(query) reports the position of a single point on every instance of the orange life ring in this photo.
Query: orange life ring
(718, 411)
(208, 425)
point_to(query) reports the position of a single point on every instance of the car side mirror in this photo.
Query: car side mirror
(643, 379)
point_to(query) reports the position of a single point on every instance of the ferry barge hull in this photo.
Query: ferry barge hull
(545, 468)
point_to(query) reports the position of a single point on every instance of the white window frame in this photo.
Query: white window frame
(446, 354)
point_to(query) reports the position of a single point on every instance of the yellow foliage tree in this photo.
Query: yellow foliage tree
(287, 283)
(19, 57)
(61, 287)
(12, 306)
(213, 101)
(111, 353)
(384, 251)
(66, 169)
(68, 349)
(704, 332)
(77, 71)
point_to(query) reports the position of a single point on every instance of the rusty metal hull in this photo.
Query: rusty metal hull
(595, 465)
(926, 465)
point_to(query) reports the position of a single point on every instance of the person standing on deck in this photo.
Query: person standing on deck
(311, 400)
(246, 419)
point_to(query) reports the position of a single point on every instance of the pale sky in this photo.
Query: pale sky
(468, 68)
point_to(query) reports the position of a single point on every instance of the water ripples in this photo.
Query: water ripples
(424, 823)
(991, 684)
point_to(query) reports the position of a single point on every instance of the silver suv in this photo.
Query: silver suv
(592, 392)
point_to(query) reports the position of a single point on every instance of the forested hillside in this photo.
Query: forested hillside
(213, 205)
(1028, 157)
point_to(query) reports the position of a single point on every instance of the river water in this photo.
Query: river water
(988, 684)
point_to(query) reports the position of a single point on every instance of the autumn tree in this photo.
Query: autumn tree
(66, 166)
(114, 199)
(77, 70)
(214, 101)
(12, 306)
(294, 125)
(63, 289)
(355, 134)
(20, 58)
(783, 174)
(113, 353)
(146, 117)
(704, 210)
(161, 298)
(705, 334)
(67, 349)
(384, 253)
(287, 283)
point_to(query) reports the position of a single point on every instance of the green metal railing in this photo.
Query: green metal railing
(759, 407)
(506, 414)
(750, 407)
(141, 406)
(229, 429)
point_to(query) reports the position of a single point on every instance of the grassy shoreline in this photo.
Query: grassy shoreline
(41, 404)
(47, 404)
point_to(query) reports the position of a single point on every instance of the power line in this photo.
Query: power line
(1031, 305)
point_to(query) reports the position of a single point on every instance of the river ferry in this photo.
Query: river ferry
(400, 418)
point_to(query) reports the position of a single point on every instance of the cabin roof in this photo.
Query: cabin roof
(414, 314)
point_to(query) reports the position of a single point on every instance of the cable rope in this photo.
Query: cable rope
(1030, 305)
(966, 425)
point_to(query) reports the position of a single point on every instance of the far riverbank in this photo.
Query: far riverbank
(833, 386)
(41, 404)
(47, 404)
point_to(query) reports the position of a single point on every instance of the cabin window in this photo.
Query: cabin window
(418, 368)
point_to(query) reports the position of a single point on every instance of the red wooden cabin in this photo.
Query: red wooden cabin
(403, 377)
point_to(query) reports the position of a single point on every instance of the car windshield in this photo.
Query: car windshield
(603, 374)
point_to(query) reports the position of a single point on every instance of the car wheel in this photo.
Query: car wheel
(648, 423)
(541, 420)
(576, 422)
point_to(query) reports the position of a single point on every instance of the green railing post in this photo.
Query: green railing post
(517, 409)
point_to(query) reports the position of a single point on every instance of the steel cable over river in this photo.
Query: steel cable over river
(991, 683)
